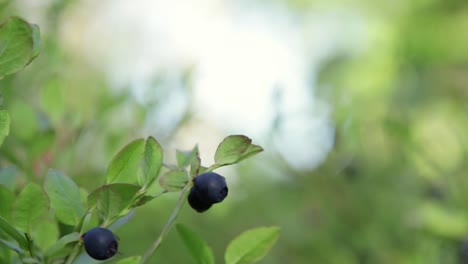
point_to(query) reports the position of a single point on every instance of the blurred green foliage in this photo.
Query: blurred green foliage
(393, 190)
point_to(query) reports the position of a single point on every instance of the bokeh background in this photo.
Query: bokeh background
(361, 107)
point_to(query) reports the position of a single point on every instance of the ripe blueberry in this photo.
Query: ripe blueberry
(100, 243)
(208, 188)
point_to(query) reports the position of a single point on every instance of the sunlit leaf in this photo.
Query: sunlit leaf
(152, 160)
(200, 251)
(114, 199)
(173, 181)
(231, 149)
(31, 204)
(19, 45)
(251, 246)
(124, 165)
(4, 125)
(64, 197)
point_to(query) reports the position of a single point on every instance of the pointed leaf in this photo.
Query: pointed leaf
(19, 45)
(124, 165)
(251, 151)
(173, 181)
(112, 200)
(31, 204)
(64, 197)
(6, 202)
(62, 242)
(231, 149)
(13, 233)
(4, 125)
(152, 160)
(130, 260)
(200, 251)
(252, 245)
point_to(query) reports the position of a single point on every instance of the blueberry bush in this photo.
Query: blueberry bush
(29, 216)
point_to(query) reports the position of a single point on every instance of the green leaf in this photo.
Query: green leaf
(45, 233)
(64, 197)
(12, 246)
(195, 164)
(234, 149)
(251, 151)
(19, 45)
(7, 198)
(4, 125)
(31, 204)
(231, 149)
(198, 248)
(252, 245)
(113, 200)
(147, 198)
(152, 160)
(124, 165)
(173, 181)
(62, 242)
(13, 233)
(130, 260)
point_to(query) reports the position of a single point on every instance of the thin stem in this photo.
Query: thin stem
(167, 226)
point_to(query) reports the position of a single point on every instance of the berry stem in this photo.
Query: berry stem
(167, 226)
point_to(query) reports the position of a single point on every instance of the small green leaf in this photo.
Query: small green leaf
(31, 204)
(130, 260)
(152, 160)
(252, 245)
(62, 242)
(198, 248)
(124, 165)
(114, 199)
(195, 164)
(173, 181)
(13, 232)
(4, 125)
(7, 198)
(231, 149)
(64, 197)
(19, 45)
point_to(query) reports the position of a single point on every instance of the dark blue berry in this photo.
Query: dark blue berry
(100, 243)
(208, 188)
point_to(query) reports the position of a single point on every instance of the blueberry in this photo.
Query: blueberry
(100, 243)
(208, 188)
